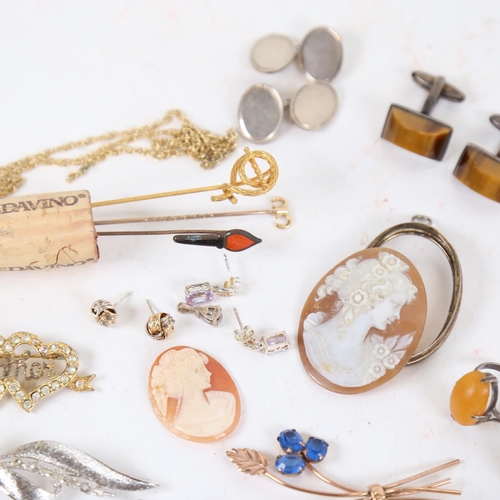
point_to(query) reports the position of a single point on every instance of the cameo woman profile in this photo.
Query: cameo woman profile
(362, 321)
(193, 395)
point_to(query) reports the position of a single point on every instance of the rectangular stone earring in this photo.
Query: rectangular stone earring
(269, 344)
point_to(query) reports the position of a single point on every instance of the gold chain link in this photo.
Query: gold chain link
(202, 145)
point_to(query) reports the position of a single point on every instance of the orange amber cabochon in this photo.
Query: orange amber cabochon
(470, 397)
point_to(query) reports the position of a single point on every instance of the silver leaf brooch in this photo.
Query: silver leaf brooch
(61, 465)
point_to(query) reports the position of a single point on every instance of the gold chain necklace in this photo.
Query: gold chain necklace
(202, 145)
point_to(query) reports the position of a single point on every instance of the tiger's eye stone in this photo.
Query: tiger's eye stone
(416, 132)
(480, 171)
(470, 397)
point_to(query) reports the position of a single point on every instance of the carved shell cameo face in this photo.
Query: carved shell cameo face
(363, 321)
(193, 395)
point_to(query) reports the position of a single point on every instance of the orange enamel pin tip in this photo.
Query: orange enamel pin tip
(234, 240)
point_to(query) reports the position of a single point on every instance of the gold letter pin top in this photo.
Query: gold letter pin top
(30, 369)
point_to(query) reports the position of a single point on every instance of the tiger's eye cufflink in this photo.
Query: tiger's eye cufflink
(474, 397)
(418, 132)
(479, 169)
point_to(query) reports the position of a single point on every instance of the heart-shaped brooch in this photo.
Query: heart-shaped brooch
(29, 369)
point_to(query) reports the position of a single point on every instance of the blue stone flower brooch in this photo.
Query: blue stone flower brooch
(301, 454)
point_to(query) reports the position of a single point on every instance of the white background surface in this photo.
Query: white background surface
(73, 69)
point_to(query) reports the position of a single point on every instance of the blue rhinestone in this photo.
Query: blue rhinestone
(291, 465)
(291, 441)
(315, 449)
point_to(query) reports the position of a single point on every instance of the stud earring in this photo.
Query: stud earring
(479, 169)
(474, 397)
(229, 288)
(210, 314)
(313, 105)
(418, 132)
(104, 311)
(276, 342)
(201, 293)
(160, 325)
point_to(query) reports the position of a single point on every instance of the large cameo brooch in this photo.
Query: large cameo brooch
(193, 395)
(363, 321)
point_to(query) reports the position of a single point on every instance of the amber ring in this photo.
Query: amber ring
(420, 225)
(474, 397)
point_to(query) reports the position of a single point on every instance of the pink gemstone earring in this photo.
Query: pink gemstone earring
(275, 342)
(201, 293)
(230, 287)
